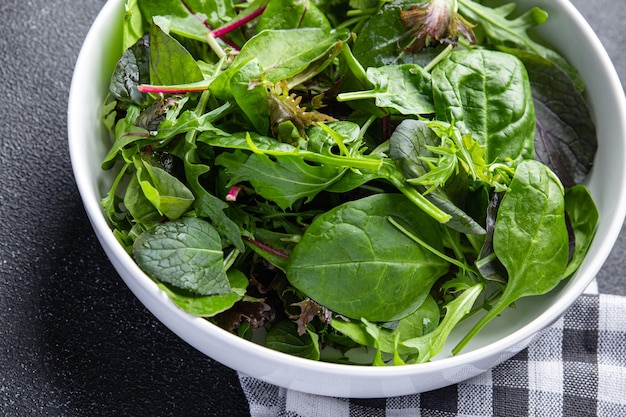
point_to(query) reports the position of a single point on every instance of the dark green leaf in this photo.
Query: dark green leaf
(530, 238)
(132, 69)
(209, 305)
(487, 94)
(186, 253)
(283, 337)
(353, 261)
(583, 216)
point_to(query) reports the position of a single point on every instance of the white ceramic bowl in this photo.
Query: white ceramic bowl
(505, 336)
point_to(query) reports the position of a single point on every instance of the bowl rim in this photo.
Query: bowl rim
(145, 287)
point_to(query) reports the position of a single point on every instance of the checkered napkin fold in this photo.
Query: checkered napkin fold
(576, 367)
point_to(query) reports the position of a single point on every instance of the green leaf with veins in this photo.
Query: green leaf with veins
(403, 89)
(170, 62)
(503, 31)
(186, 253)
(353, 261)
(530, 238)
(284, 54)
(487, 93)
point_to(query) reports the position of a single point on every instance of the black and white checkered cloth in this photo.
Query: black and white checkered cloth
(576, 367)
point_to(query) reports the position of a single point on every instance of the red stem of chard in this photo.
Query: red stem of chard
(206, 24)
(236, 24)
(267, 248)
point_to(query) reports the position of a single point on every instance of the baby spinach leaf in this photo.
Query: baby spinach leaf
(565, 138)
(404, 89)
(292, 14)
(298, 49)
(583, 216)
(186, 253)
(283, 337)
(504, 31)
(530, 238)
(487, 93)
(353, 261)
(170, 62)
(208, 305)
(424, 320)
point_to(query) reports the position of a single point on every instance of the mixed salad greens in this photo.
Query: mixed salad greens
(347, 175)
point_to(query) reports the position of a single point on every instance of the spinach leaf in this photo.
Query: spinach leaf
(208, 305)
(186, 253)
(283, 337)
(530, 238)
(583, 216)
(487, 93)
(403, 89)
(170, 62)
(503, 31)
(298, 49)
(353, 261)
(139, 207)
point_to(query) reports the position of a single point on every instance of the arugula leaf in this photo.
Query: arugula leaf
(186, 253)
(432, 343)
(284, 179)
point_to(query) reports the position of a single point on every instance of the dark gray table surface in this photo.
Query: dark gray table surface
(74, 341)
